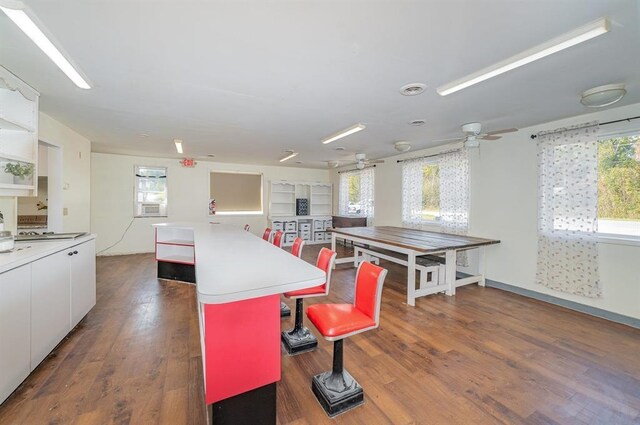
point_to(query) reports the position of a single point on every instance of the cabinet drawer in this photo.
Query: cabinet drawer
(290, 226)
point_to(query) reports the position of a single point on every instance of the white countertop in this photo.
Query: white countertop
(27, 252)
(233, 265)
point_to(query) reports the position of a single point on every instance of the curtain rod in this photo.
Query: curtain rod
(533, 136)
(429, 156)
(355, 169)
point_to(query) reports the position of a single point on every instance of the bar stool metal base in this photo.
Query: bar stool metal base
(285, 311)
(326, 386)
(298, 341)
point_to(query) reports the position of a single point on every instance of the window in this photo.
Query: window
(356, 192)
(236, 193)
(430, 192)
(150, 191)
(619, 185)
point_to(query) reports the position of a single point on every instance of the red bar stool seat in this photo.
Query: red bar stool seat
(300, 339)
(267, 234)
(336, 390)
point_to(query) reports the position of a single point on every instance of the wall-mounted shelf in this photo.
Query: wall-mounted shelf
(6, 124)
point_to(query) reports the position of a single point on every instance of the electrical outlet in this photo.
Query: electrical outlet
(65, 211)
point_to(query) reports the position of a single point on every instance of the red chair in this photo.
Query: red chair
(300, 338)
(246, 227)
(277, 238)
(267, 234)
(336, 390)
(296, 250)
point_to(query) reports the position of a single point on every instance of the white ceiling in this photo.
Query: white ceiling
(247, 80)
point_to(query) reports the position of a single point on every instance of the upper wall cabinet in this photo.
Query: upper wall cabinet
(18, 136)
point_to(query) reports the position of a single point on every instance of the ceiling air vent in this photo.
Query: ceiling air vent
(412, 89)
(417, 122)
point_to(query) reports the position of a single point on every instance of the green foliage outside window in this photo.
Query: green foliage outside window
(430, 192)
(619, 178)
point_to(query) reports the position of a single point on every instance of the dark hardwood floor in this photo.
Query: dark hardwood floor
(482, 357)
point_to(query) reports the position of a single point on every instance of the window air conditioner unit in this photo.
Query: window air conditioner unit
(150, 209)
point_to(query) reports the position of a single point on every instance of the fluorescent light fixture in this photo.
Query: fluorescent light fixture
(178, 143)
(290, 154)
(20, 18)
(343, 133)
(555, 45)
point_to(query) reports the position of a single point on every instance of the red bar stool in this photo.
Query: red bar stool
(300, 338)
(277, 238)
(296, 249)
(337, 391)
(247, 227)
(267, 234)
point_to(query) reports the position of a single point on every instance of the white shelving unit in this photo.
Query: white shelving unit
(282, 210)
(18, 136)
(175, 245)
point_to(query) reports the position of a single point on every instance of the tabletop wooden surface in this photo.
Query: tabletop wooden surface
(418, 240)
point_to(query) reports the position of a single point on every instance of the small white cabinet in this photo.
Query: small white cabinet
(15, 342)
(50, 304)
(82, 272)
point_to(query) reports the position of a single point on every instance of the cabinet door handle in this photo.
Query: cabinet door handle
(75, 252)
(69, 253)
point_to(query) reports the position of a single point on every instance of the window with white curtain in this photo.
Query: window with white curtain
(356, 193)
(435, 191)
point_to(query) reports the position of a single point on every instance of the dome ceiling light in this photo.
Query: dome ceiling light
(606, 95)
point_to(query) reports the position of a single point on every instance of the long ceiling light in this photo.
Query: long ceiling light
(178, 143)
(20, 18)
(343, 133)
(290, 154)
(577, 36)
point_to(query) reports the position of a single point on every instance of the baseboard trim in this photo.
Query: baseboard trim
(593, 311)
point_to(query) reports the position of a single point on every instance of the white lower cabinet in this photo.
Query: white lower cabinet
(83, 280)
(50, 304)
(40, 302)
(15, 319)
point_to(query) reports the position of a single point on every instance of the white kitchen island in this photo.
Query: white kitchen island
(239, 278)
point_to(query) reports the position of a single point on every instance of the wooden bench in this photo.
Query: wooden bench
(431, 267)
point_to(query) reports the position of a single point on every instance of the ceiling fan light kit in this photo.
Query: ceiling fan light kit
(15, 11)
(601, 96)
(344, 133)
(564, 41)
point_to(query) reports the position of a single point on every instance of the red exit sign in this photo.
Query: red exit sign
(188, 162)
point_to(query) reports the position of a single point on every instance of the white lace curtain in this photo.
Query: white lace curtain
(568, 211)
(367, 185)
(454, 194)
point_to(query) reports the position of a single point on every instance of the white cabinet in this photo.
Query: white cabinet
(18, 136)
(50, 304)
(83, 280)
(15, 328)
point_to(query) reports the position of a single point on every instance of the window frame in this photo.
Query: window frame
(136, 203)
(436, 225)
(238, 213)
(619, 130)
(349, 174)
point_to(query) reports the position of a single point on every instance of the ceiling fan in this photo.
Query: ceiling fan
(360, 162)
(473, 134)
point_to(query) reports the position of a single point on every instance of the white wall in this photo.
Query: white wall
(112, 185)
(76, 172)
(504, 206)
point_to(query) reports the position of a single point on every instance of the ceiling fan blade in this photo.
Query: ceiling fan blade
(489, 137)
(503, 131)
(375, 161)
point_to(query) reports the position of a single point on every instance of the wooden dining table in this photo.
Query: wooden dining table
(415, 243)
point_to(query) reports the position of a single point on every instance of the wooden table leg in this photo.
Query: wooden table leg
(411, 279)
(450, 271)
